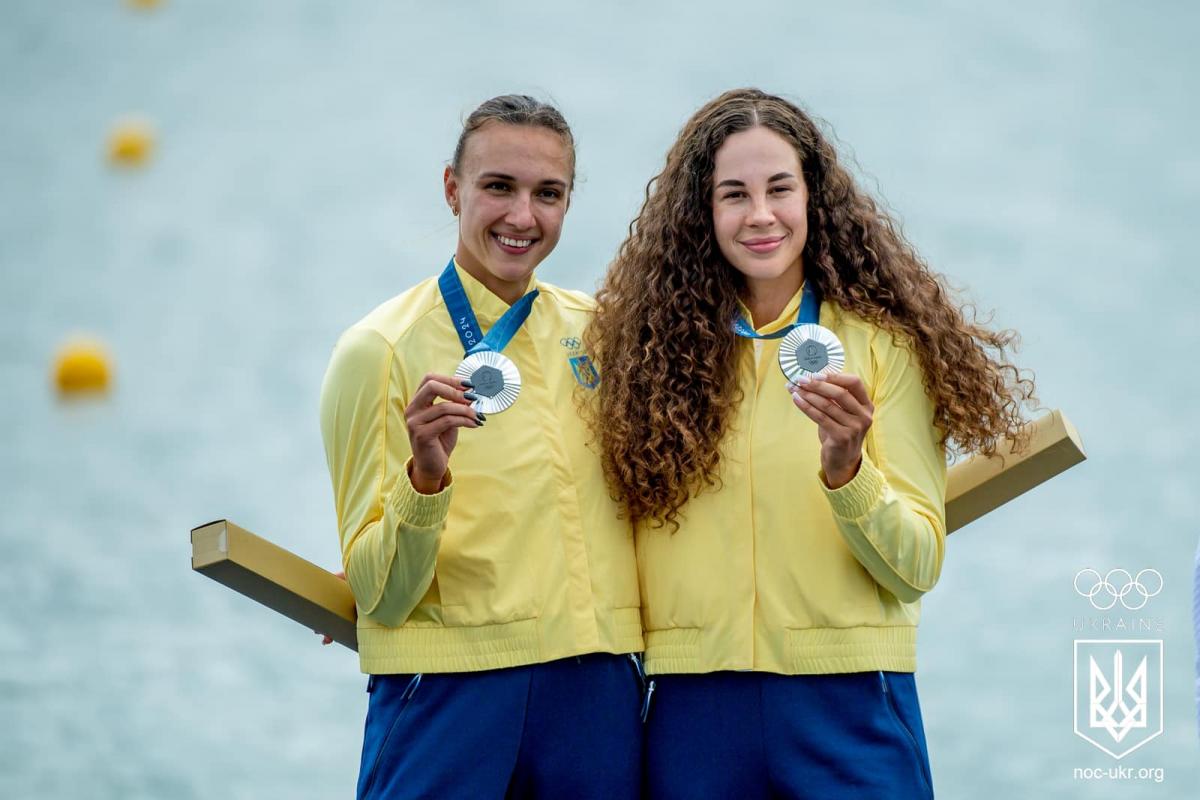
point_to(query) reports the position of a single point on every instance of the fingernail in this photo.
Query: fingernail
(799, 399)
(470, 396)
(466, 383)
(820, 376)
(803, 379)
(479, 415)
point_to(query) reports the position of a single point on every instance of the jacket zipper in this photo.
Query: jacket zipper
(646, 702)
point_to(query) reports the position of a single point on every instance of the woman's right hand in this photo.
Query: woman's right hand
(433, 427)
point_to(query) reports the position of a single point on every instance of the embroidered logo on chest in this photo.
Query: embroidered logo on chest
(586, 374)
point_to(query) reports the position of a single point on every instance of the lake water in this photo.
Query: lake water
(1043, 155)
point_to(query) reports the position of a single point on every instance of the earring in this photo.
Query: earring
(454, 210)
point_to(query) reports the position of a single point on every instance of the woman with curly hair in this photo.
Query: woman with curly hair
(786, 527)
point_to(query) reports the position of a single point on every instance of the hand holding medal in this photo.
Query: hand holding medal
(839, 404)
(438, 409)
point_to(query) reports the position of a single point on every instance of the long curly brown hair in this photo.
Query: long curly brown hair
(662, 330)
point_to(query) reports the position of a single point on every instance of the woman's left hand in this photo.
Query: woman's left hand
(842, 410)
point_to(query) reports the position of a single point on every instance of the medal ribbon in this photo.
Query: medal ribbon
(810, 312)
(463, 317)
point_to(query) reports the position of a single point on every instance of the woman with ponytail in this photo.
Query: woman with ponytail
(498, 606)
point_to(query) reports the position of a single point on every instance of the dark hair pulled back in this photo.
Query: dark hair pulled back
(515, 109)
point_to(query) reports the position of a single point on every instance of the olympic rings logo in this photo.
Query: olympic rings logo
(1118, 585)
(570, 342)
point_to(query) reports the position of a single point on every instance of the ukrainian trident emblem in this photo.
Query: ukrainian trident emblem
(1118, 693)
(585, 372)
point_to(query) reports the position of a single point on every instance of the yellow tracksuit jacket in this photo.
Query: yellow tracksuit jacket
(522, 558)
(774, 572)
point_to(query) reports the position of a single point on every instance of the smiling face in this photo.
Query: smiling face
(511, 192)
(760, 207)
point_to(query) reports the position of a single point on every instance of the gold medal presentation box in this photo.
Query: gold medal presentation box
(319, 600)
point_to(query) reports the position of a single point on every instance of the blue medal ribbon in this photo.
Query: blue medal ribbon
(467, 326)
(810, 312)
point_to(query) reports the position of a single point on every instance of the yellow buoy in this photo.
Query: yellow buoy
(82, 366)
(130, 142)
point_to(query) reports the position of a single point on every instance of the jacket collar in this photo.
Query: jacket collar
(785, 318)
(485, 304)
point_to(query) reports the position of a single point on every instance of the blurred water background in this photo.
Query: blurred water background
(1042, 154)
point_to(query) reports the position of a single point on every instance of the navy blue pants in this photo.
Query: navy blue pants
(759, 735)
(568, 728)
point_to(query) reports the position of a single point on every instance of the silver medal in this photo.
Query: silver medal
(496, 378)
(810, 350)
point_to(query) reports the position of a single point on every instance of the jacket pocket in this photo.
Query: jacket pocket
(479, 587)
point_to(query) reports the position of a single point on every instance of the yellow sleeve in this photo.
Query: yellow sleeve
(389, 532)
(892, 514)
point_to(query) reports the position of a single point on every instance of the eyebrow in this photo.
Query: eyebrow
(504, 177)
(778, 176)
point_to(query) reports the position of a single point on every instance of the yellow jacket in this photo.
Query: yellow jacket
(528, 562)
(772, 571)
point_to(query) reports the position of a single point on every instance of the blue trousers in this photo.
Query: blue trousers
(753, 735)
(567, 728)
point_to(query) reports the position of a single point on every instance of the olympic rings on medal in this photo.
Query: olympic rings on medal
(570, 342)
(1117, 585)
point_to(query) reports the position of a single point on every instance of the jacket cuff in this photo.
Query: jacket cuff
(859, 496)
(420, 510)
